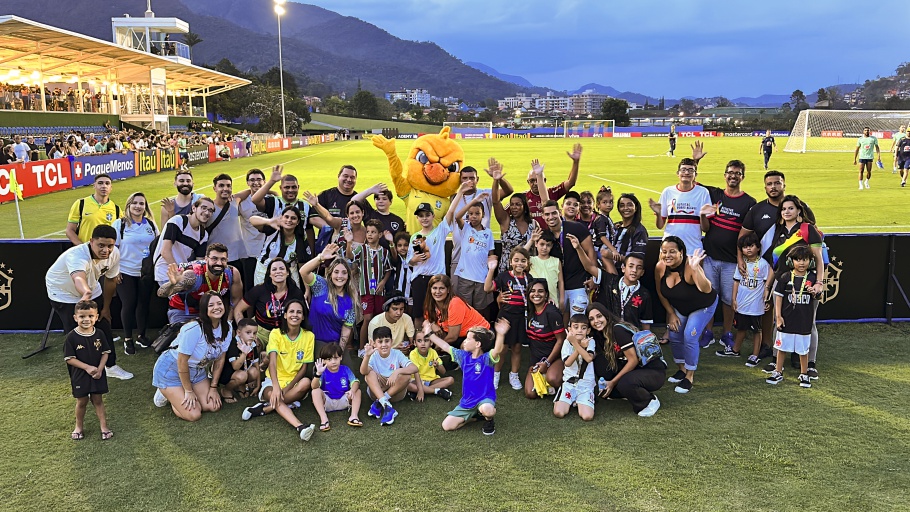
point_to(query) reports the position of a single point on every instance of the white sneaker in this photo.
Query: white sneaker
(159, 399)
(551, 390)
(307, 433)
(119, 373)
(652, 407)
(514, 381)
(860, 185)
(866, 183)
(496, 376)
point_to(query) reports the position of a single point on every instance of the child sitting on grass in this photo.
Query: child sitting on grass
(335, 388)
(477, 360)
(85, 352)
(578, 375)
(429, 367)
(387, 373)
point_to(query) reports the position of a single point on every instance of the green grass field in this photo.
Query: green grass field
(733, 444)
(826, 181)
(358, 124)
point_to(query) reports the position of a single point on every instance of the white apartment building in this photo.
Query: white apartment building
(412, 96)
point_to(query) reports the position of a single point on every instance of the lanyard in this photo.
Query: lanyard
(209, 282)
(276, 305)
(626, 293)
(794, 295)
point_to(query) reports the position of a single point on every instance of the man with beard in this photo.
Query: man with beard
(183, 202)
(762, 220)
(183, 238)
(554, 193)
(188, 282)
(335, 199)
(272, 205)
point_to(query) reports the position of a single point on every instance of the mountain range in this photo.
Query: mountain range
(325, 50)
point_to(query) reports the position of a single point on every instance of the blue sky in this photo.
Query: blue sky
(671, 48)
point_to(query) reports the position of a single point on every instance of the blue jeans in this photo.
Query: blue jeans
(684, 341)
(720, 275)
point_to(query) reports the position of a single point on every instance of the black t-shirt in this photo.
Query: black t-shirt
(233, 353)
(798, 304)
(334, 201)
(762, 220)
(720, 240)
(515, 303)
(542, 330)
(390, 222)
(633, 306)
(269, 309)
(573, 270)
(767, 144)
(599, 226)
(89, 349)
(903, 148)
(630, 239)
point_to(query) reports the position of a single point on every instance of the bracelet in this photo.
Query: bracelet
(547, 361)
(188, 391)
(214, 387)
(317, 375)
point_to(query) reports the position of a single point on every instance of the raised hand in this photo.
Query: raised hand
(494, 169)
(464, 188)
(320, 365)
(502, 326)
(168, 204)
(492, 263)
(174, 273)
(310, 198)
(329, 252)
(655, 206)
(573, 239)
(698, 150)
(368, 350)
(536, 233)
(276, 173)
(709, 210)
(480, 198)
(695, 259)
(348, 235)
(537, 167)
(388, 236)
(575, 154)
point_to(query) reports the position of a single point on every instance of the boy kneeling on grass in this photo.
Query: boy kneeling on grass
(429, 367)
(478, 395)
(387, 372)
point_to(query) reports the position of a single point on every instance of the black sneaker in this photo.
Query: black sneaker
(129, 347)
(143, 342)
(445, 394)
(677, 377)
(684, 386)
(410, 395)
(812, 372)
(769, 368)
(765, 352)
(804, 381)
(726, 352)
(753, 361)
(254, 411)
(775, 378)
(489, 427)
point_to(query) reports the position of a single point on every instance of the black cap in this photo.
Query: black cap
(423, 207)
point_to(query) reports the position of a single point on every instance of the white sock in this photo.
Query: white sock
(436, 391)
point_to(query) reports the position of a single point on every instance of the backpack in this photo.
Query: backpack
(82, 209)
(647, 348)
(167, 336)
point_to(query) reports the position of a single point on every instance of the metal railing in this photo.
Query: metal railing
(170, 48)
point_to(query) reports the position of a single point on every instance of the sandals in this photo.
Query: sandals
(106, 434)
(230, 399)
(77, 436)
(355, 422)
(325, 427)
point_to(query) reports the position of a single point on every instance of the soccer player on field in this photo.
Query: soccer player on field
(865, 145)
(897, 137)
(902, 153)
(767, 146)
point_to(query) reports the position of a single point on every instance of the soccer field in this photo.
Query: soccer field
(826, 181)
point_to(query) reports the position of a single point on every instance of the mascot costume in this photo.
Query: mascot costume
(431, 174)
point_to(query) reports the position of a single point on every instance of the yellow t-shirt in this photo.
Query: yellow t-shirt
(427, 372)
(93, 215)
(292, 354)
(547, 269)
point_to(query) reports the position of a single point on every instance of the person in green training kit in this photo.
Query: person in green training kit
(864, 148)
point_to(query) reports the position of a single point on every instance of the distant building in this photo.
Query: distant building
(588, 102)
(412, 96)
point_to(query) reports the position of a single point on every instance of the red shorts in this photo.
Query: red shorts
(371, 304)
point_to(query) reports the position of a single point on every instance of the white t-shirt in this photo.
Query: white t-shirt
(487, 213)
(191, 341)
(475, 246)
(134, 246)
(59, 281)
(384, 366)
(683, 213)
(228, 232)
(572, 370)
(180, 235)
(750, 296)
(436, 244)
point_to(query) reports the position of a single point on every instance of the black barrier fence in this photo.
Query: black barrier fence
(864, 282)
(197, 155)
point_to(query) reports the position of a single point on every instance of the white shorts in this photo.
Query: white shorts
(576, 301)
(340, 404)
(266, 383)
(581, 393)
(798, 343)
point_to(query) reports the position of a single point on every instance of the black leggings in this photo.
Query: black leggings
(135, 294)
(637, 386)
(65, 312)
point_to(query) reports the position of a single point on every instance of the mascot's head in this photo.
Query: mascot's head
(434, 164)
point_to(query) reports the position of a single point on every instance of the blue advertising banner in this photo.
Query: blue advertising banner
(117, 165)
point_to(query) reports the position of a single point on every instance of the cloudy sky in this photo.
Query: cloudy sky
(669, 47)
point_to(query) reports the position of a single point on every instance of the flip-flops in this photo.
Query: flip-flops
(106, 434)
(325, 427)
(77, 436)
(355, 422)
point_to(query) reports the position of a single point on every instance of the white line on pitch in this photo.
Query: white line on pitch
(210, 186)
(624, 184)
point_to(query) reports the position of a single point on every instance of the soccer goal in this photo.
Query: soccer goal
(836, 131)
(471, 130)
(588, 128)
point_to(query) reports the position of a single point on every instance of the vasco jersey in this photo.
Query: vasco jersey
(542, 330)
(720, 240)
(798, 304)
(682, 212)
(767, 144)
(750, 296)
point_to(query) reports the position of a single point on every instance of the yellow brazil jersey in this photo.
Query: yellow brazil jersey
(292, 354)
(427, 372)
(93, 215)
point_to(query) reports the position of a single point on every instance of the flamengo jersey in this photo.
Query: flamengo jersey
(682, 212)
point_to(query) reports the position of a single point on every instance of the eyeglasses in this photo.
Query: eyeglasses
(732, 173)
(687, 170)
(207, 209)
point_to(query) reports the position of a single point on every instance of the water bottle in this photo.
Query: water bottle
(602, 384)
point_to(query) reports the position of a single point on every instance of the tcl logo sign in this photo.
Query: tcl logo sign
(50, 174)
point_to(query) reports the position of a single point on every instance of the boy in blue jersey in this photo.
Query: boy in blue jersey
(335, 388)
(478, 396)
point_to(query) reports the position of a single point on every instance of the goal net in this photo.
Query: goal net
(836, 131)
(471, 130)
(588, 128)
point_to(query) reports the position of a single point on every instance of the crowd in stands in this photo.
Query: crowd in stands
(23, 97)
(276, 294)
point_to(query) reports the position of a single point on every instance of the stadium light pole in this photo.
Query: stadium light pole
(279, 10)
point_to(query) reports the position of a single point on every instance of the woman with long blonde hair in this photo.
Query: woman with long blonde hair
(135, 232)
(335, 301)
